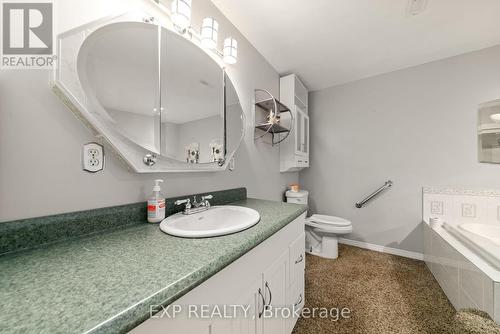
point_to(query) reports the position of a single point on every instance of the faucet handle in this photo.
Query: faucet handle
(195, 200)
(187, 201)
(204, 200)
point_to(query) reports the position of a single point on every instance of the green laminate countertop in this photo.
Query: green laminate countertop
(106, 283)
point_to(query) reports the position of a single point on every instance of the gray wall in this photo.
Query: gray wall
(415, 126)
(41, 141)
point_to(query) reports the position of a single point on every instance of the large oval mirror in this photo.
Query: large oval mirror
(161, 92)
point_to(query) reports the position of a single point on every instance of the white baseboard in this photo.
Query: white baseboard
(382, 249)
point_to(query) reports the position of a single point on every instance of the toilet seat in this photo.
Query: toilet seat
(330, 224)
(330, 220)
(331, 229)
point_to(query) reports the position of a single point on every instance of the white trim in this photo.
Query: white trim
(382, 249)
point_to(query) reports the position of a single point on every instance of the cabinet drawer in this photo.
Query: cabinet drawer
(297, 260)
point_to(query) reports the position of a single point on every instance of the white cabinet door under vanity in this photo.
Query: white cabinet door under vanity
(275, 291)
(268, 280)
(294, 152)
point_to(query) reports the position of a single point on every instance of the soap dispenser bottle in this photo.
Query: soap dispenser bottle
(156, 204)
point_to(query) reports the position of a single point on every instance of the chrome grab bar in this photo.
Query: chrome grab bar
(386, 185)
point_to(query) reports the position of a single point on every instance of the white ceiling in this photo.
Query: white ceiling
(330, 42)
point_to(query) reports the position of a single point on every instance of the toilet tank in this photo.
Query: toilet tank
(297, 197)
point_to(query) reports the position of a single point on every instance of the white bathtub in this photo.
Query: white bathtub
(490, 232)
(483, 238)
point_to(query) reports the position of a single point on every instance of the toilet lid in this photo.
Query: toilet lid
(330, 220)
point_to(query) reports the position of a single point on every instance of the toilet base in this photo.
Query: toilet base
(323, 245)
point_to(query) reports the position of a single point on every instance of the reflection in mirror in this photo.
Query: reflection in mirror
(489, 132)
(122, 72)
(192, 98)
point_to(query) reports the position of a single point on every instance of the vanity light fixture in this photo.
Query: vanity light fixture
(209, 32)
(230, 51)
(181, 13)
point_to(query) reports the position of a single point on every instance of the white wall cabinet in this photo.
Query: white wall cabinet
(294, 152)
(268, 280)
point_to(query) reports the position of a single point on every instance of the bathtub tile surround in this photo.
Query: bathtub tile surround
(106, 282)
(27, 233)
(465, 272)
(462, 205)
(465, 285)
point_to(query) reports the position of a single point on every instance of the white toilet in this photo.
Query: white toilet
(322, 231)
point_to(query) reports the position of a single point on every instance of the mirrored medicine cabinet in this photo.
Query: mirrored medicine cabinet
(162, 102)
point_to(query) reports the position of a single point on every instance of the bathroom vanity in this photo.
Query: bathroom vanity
(269, 277)
(112, 280)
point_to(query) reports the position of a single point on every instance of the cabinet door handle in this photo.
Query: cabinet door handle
(270, 294)
(300, 259)
(263, 303)
(299, 302)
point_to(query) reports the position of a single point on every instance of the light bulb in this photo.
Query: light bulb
(230, 51)
(181, 13)
(209, 31)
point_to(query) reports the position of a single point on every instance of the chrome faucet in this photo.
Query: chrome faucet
(195, 206)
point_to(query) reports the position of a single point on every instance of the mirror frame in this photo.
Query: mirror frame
(67, 86)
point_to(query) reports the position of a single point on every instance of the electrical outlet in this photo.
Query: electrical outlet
(93, 157)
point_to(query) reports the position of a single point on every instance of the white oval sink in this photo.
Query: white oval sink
(217, 220)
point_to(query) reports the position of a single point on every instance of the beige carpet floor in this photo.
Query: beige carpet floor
(385, 294)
